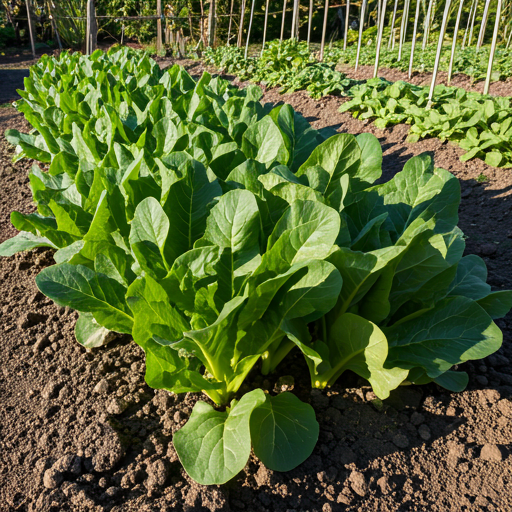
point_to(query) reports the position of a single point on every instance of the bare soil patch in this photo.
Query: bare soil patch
(81, 431)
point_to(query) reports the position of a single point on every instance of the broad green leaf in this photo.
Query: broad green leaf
(86, 291)
(24, 241)
(284, 431)
(90, 334)
(214, 446)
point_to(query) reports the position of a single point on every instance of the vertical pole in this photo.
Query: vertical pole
(483, 25)
(265, 27)
(493, 48)
(391, 42)
(31, 28)
(230, 22)
(379, 38)
(159, 26)
(438, 52)
(454, 41)
(361, 26)
(324, 30)
(249, 30)
(310, 20)
(189, 22)
(346, 26)
(211, 23)
(472, 24)
(427, 23)
(282, 22)
(467, 24)
(415, 31)
(403, 28)
(54, 25)
(294, 19)
(240, 31)
(92, 27)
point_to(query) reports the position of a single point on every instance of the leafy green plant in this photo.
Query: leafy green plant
(222, 234)
(479, 124)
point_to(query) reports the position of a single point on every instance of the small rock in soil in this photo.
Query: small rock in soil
(358, 483)
(505, 407)
(50, 390)
(482, 380)
(424, 432)
(41, 343)
(69, 464)
(487, 249)
(490, 452)
(157, 475)
(101, 387)
(400, 440)
(417, 418)
(52, 478)
(384, 485)
(117, 406)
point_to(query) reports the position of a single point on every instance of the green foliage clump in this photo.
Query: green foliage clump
(222, 234)
(482, 125)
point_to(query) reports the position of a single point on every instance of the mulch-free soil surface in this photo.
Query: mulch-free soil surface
(81, 431)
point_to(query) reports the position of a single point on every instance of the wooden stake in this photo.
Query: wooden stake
(493, 48)
(265, 26)
(249, 30)
(211, 23)
(159, 26)
(391, 42)
(240, 31)
(230, 22)
(454, 42)
(415, 31)
(346, 26)
(324, 30)
(294, 19)
(403, 28)
(282, 22)
(361, 27)
(483, 25)
(426, 27)
(379, 38)
(92, 28)
(31, 28)
(309, 20)
(468, 23)
(446, 15)
(472, 24)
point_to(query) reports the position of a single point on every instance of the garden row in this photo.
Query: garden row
(222, 234)
(480, 124)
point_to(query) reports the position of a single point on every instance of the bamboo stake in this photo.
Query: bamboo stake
(415, 31)
(454, 42)
(468, 23)
(249, 30)
(438, 51)
(240, 31)
(426, 25)
(54, 25)
(265, 27)
(361, 26)
(159, 26)
(472, 24)
(509, 40)
(31, 28)
(391, 42)
(297, 20)
(408, 5)
(346, 26)
(230, 22)
(294, 19)
(211, 23)
(309, 20)
(379, 38)
(493, 48)
(403, 28)
(483, 25)
(282, 22)
(324, 30)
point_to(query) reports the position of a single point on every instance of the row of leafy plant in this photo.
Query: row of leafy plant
(223, 234)
(287, 64)
(481, 125)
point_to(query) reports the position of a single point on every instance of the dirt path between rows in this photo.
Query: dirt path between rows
(81, 431)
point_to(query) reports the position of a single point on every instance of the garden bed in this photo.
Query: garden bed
(82, 431)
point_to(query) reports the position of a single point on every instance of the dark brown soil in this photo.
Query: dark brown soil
(81, 431)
